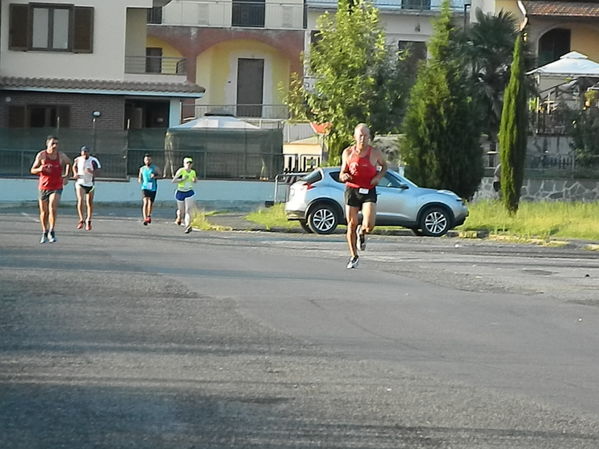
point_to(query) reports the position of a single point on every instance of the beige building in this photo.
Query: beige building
(564, 33)
(73, 65)
(242, 52)
(554, 27)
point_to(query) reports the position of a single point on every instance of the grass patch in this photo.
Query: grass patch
(272, 217)
(544, 221)
(536, 220)
(200, 222)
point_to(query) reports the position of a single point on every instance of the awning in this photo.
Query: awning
(216, 121)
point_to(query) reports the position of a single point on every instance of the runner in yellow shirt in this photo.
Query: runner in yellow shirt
(185, 178)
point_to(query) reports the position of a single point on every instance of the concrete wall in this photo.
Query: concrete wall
(135, 36)
(248, 195)
(210, 194)
(548, 190)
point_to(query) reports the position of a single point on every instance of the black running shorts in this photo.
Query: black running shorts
(149, 194)
(46, 194)
(86, 189)
(356, 197)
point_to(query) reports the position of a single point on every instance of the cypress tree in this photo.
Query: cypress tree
(441, 130)
(513, 131)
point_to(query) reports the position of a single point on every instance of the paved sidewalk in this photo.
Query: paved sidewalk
(235, 221)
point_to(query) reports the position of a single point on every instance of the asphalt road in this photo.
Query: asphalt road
(143, 337)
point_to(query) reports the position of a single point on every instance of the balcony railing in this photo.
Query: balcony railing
(273, 15)
(236, 13)
(156, 65)
(399, 5)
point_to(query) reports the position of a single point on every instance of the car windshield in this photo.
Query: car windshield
(394, 179)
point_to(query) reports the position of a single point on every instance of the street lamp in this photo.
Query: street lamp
(95, 116)
(467, 5)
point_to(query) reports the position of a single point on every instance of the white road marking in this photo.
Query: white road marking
(26, 215)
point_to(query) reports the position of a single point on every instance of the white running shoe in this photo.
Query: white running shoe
(187, 229)
(353, 262)
(52, 238)
(44, 238)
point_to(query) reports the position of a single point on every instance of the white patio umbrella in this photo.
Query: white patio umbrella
(572, 65)
(216, 121)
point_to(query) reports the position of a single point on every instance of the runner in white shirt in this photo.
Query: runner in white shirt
(84, 171)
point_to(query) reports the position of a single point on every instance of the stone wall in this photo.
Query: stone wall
(586, 190)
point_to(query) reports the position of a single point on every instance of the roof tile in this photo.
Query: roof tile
(99, 85)
(561, 8)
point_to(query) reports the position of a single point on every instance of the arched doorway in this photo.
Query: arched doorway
(553, 44)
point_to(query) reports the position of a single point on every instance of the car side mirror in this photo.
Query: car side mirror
(403, 186)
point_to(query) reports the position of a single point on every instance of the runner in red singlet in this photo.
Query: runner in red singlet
(362, 167)
(52, 167)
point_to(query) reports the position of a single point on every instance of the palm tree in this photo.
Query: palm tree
(488, 49)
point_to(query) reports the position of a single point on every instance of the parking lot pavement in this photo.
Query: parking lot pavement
(253, 339)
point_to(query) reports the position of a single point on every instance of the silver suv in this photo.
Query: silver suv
(317, 202)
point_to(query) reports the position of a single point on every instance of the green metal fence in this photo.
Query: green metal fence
(121, 153)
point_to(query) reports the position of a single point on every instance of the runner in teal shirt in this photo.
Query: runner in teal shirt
(148, 178)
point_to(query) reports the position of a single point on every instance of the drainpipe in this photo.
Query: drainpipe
(524, 13)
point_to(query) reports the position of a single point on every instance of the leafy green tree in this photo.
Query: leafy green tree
(513, 131)
(441, 141)
(357, 77)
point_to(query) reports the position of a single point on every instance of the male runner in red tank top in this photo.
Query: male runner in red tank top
(52, 166)
(362, 167)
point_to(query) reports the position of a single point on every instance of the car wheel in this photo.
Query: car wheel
(323, 219)
(435, 222)
(305, 226)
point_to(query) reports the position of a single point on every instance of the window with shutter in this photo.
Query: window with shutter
(51, 27)
(18, 27)
(83, 34)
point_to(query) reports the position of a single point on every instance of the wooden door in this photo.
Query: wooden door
(250, 87)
